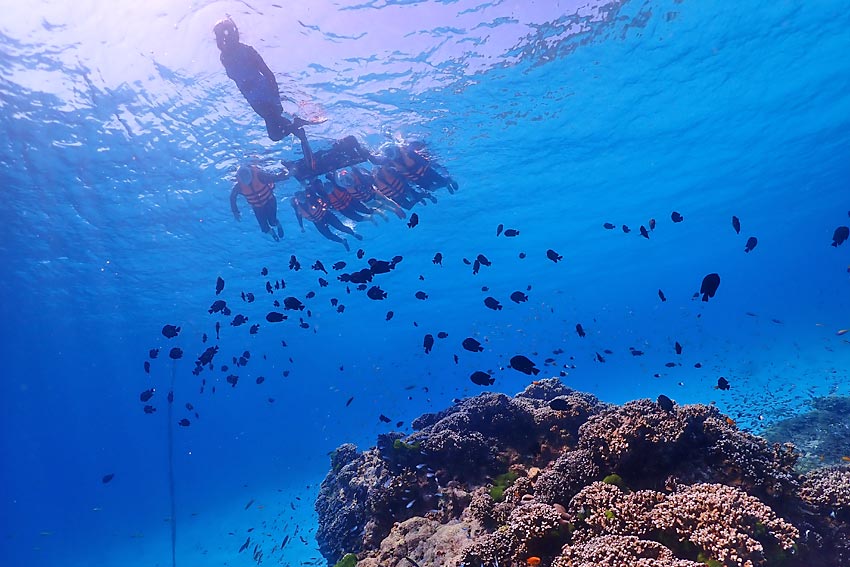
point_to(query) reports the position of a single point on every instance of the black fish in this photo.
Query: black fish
(376, 293)
(709, 286)
(323, 282)
(661, 295)
(310, 294)
(147, 366)
(475, 267)
(722, 384)
(678, 348)
(482, 378)
(554, 256)
(254, 329)
(524, 365)
(340, 308)
(149, 409)
(608, 226)
(245, 545)
(651, 224)
(292, 303)
(207, 356)
(736, 224)
(380, 266)
(360, 253)
(153, 353)
(428, 343)
(511, 232)
(626, 229)
(249, 297)
(389, 315)
(170, 331)
(438, 259)
(635, 352)
(492, 303)
(472, 345)
(294, 264)
(670, 364)
(499, 229)
(519, 297)
(643, 231)
(348, 403)
(421, 295)
(319, 267)
(384, 418)
(338, 265)
(665, 403)
(107, 477)
(559, 404)
(238, 320)
(580, 330)
(176, 353)
(840, 235)
(467, 262)
(676, 217)
(751, 243)
(184, 422)
(219, 285)
(217, 329)
(218, 305)
(269, 287)
(442, 335)
(599, 357)
(484, 260)
(414, 220)
(232, 379)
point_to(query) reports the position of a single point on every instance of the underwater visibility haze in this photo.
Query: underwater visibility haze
(652, 201)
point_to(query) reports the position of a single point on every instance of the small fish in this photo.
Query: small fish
(360, 253)
(239, 320)
(519, 297)
(269, 287)
(678, 348)
(751, 243)
(254, 329)
(676, 217)
(469, 344)
(532, 561)
(736, 224)
(442, 335)
(635, 352)
(348, 403)
(626, 229)
(481, 378)
(580, 330)
(232, 379)
(376, 293)
(475, 267)
(170, 331)
(147, 366)
(722, 384)
(499, 229)
(670, 364)
(665, 403)
(153, 353)
(492, 303)
(643, 231)
(219, 285)
(384, 418)
(217, 305)
(524, 365)
(245, 545)
(107, 477)
(248, 505)
(184, 422)
(428, 343)
(651, 224)
(438, 259)
(149, 409)
(176, 353)
(559, 404)
(709, 286)
(840, 235)
(521, 255)
(338, 265)
(293, 303)
(608, 226)
(310, 294)
(264, 272)
(484, 260)
(554, 256)
(421, 295)
(389, 315)
(599, 357)
(414, 220)
(841, 332)
(511, 232)
(294, 264)
(260, 380)
(662, 296)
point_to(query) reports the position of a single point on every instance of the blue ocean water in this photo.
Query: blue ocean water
(121, 136)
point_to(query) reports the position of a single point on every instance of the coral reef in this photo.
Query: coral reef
(555, 478)
(821, 434)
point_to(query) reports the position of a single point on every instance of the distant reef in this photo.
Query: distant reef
(555, 478)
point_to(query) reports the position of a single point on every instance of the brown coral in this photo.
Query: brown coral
(827, 488)
(620, 551)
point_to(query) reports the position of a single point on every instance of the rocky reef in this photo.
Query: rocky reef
(555, 478)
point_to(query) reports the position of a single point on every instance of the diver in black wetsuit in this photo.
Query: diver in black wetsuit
(258, 84)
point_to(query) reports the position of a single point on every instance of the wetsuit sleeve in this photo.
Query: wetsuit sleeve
(233, 194)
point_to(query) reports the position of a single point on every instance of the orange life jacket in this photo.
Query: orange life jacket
(312, 208)
(388, 183)
(339, 199)
(257, 193)
(362, 189)
(412, 165)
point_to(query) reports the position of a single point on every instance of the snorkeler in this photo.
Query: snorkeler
(257, 83)
(412, 163)
(257, 186)
(310, 205)
(359, 183)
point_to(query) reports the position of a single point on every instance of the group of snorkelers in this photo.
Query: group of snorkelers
(402, 174)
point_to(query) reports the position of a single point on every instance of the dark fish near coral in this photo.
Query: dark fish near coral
(499, 229)
(438, 259)
(376, 293)
(736, 224)
(380, 266)
(559, 404)
(643, 231)
(318, 266)
(519, 297)
(384, 418)
(722, 384)
(840, 235)
(389, 315)
(170, 331)
(481, 378)
(217, 305)
(421, 295)
(428, 343)
(176, 353)
(751, 243)
(469, 344)
(580, 330)
(524, 365)
(107, 477)
(678, 348)
(661, 295)
(293, 303)
(665, 403)
(414, 220)
(184, 422)
(511, 232)
(219, 285)
(294, 264)
(676, 217)
(554, 256)
(608, 226)
(709, 286)
(492, 303)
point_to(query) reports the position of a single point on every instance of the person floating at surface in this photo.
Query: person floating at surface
(390, 184)
(341, 201)
(307, 204)
(409, 161)
(257, 186)
(359, 183)
(257, 83)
